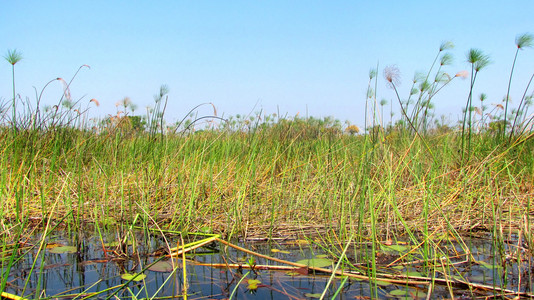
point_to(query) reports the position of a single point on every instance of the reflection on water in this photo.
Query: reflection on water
(92, 270)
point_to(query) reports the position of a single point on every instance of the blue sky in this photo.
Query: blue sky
(244, 56)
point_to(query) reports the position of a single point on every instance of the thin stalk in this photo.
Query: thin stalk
(519, 110)
(507, 99)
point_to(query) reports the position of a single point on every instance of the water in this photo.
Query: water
(92, 272)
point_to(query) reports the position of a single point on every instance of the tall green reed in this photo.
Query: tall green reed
(13, 57)
(521, 41)
(478, 61)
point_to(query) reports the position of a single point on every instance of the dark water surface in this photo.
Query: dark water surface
(90, 270)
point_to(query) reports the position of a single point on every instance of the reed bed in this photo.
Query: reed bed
(266, 177)
(243, 184)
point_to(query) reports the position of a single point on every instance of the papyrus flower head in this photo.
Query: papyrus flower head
(392, 75)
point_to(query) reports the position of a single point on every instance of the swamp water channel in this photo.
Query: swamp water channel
(138, 265)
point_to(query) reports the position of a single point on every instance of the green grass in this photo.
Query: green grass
(267, 176)
(234, 182)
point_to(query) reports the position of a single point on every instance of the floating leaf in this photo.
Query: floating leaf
(321, 256)
(397, 248)
(63, 249)
(413, 273)
(398, 292)
(316, 262)
(383, 283)
(298, 271)
(161, 266)
(417, 295)
(53, 245)
(310, 295)
(133, 277)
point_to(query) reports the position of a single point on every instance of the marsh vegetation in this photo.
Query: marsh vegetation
(411, 193)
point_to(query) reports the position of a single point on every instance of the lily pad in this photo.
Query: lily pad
(133, 277)
(398, 292)
(53, 245)
(417, 295)
(383, 283)
(298, 271)
(397, 248)
(310, 295)
(480, 278)
(413, 273)
(63, 249)
(161, 266)
(316, 262)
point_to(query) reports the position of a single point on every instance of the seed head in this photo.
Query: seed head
(463, 74)
(392, 75)
(66, 89)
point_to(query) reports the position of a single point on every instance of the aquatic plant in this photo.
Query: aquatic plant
(391, 196)
(478, 61)
(522, 41)
(13, 57)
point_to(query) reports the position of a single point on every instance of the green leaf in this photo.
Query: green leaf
(133, 277)
(413, 273)
(316, 262)
(63, 249)
(398, 292)
(309, 295)
(161, 266)
(397, 248)
(253, 284)
(383, 283)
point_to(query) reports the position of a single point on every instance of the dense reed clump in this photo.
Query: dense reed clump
(283, 175)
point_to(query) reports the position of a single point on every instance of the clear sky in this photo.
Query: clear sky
(246, 56)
